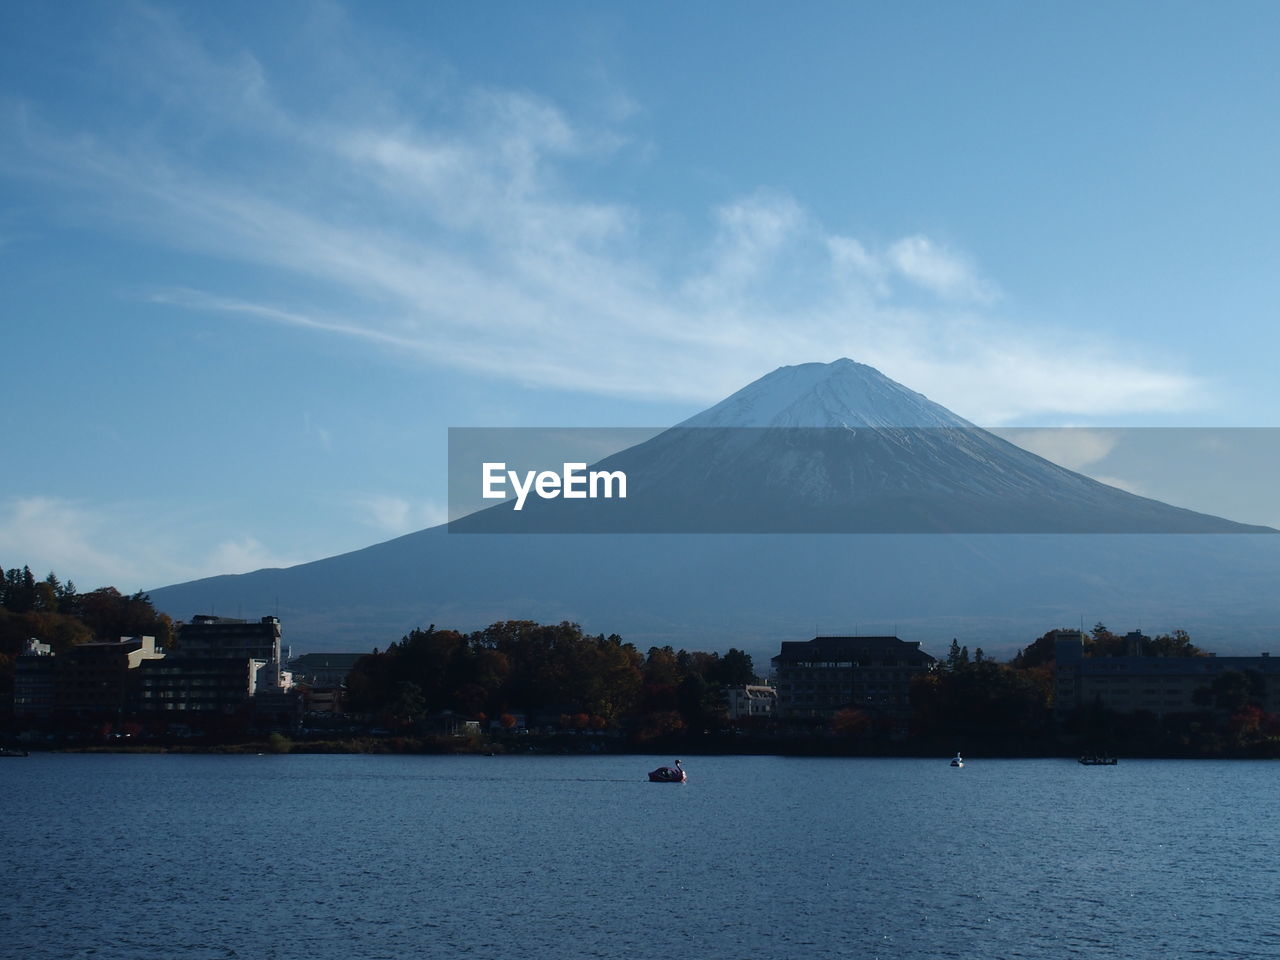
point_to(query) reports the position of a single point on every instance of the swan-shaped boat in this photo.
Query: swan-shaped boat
(672, 774)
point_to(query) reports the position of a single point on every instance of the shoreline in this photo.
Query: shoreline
(576, 746)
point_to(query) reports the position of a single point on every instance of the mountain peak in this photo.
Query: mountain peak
(843, 393)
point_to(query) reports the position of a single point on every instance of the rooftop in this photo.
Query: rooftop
(855, 648)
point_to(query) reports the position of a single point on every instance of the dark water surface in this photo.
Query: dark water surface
(355, 857)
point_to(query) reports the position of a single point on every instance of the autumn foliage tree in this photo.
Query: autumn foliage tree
(554, 670)
(978, 696)
(54, 612)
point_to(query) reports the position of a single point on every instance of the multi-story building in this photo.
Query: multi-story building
(324, 669)
(223, 666)
(220, 667)
(751, 700)
(33, 680)
(199, 685)
(88, 680)
(329, 700)
(1068, 648)
(1158, 685)
(229, 638)
(816, 678)
(322, 679)
(101, 677)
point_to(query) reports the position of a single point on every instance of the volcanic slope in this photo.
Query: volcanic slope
(964, 535)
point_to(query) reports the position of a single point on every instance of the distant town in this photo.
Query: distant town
(106, 671)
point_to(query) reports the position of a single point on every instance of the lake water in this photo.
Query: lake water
(355, 857)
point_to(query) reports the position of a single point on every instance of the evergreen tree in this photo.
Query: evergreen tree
(735, 668)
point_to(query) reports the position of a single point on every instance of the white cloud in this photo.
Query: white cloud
(941, 271)
(46, 533)
(457, 238)
(851, 259)
(1121, 483)
(1070, 447)
(116, 545)
(397, 515)
(751, 235)
(239, 556)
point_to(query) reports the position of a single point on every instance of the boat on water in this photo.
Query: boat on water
(957, 760)
(672, 774)
(1098, 760)
(12, 752)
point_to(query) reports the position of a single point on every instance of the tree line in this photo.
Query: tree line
(55, 612)
(1010, 706)
(552, 673)
(1101, 642)
(555, 674)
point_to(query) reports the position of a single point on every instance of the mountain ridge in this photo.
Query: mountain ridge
(791, 453)
(844, 392)
(749, 590)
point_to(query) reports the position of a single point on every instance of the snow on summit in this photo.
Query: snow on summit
(838, 394)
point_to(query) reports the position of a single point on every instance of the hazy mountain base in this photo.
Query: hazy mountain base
(751, 591)
(713, 590)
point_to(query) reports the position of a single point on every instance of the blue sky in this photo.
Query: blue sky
(256, 259)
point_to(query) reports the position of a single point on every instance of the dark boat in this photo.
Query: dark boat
(1096, 760)
(672, 774)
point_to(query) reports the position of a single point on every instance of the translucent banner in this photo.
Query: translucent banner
(863, 480)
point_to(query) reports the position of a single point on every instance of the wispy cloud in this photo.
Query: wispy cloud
(1123, 483)
(47, 533)
(239, 555)
(396, 515)
(317, 434)
(457, 235)
(944, 272)
(1072, 447)
(99, 545)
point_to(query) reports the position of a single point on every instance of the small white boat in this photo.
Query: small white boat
(957, 760)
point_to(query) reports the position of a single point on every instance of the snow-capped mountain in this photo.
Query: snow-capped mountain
(841, 448)
(838, 394)
(852, 449)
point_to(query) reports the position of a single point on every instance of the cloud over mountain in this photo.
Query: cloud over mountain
(465, 228)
